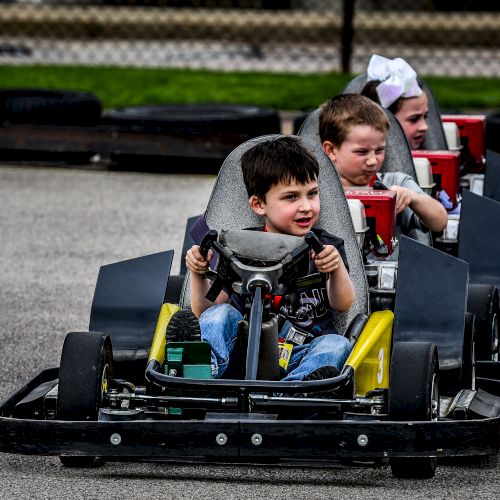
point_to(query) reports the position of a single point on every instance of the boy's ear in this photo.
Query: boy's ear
(256, 204)
(329, 148)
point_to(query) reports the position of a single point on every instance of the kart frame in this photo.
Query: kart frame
(241, 436)
(28, 424)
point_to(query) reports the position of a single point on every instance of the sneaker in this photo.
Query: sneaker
(321, 373)
(183, 326)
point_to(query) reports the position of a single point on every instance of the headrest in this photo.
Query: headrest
(228, 208)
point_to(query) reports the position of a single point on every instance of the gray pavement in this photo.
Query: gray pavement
(57, 226)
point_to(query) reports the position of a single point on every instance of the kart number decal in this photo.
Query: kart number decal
(380, 373)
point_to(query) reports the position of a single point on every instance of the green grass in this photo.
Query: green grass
(118, 87)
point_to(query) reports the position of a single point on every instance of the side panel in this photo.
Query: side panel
(479, 238)
(370, 356)
(492, 175)
(431, 298)
(127, 301)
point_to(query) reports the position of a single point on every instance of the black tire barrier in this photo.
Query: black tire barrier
(49, 107)
(196, 119)
(199, 123)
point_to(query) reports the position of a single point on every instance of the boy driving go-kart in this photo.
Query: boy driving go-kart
(281, 179)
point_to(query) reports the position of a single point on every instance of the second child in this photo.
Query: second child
(353, 132)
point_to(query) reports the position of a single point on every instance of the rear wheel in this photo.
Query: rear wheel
(84, 373)
(414, 396)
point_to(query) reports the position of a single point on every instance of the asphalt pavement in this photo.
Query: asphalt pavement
(57, 226)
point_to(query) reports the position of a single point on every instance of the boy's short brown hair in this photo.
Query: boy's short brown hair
(282, 159)
(339, 114)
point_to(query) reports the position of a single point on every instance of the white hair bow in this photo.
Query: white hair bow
(398, 79)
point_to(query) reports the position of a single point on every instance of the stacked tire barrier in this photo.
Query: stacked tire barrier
(71, 127)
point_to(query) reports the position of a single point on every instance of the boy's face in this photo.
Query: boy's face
(289, 208)
(359, 157)
(412, 115)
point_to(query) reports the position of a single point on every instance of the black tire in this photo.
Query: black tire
(483, 302)
(49, 107)
(492, 137)
(196, 119)
(199, 123)
(414, 396)
(86, 366)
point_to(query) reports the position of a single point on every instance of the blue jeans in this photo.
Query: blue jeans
(219, 327)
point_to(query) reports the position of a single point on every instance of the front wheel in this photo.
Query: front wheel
(84, 373)
(414, 396)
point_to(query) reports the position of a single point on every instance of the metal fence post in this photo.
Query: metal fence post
(347, 35)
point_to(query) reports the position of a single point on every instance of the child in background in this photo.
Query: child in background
(353, 131)
(393, 84)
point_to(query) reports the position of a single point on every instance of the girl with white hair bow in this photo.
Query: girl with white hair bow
(393, 83)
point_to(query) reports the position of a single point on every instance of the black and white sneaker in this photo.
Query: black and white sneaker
(183, 326)
(321, 373)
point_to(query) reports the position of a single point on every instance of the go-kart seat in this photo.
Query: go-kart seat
(435, 138)
(228, 209)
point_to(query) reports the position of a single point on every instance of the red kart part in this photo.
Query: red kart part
(445, 170)
(380, 211)
(472, 136)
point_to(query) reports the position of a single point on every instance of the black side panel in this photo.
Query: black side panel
(127, 301)
(431, 299)
(479, 238)
(492, 175)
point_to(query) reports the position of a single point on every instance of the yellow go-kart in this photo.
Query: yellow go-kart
(138, 385)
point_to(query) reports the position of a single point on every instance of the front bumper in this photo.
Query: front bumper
(242, 437)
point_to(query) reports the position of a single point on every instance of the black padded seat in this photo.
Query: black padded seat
(435, 138)
(397, 152)
(228, 209)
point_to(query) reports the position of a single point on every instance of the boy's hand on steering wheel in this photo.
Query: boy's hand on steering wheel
(404, 197)
(328, 260)
(196, 262)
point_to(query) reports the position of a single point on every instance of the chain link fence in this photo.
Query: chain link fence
(443, 37)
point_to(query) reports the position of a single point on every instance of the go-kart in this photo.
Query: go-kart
(135, 387)
(460, 164)
(469, 236)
